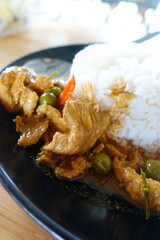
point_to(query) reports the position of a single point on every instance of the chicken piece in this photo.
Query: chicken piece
(28, 101)
(31, 130)
(47, 158)
(135, 160)
(17, 87)
(10, 73)
(11, 87)
(98, 148)
(14, 94)
(65, 166)
(5, 96)
(112, 150)
(72, 169)
(48, 135)
(85, 125)
(54, 116)
(41, 84)
(30, 75)
(132, 183)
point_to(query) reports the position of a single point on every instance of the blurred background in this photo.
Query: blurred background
(120, 20)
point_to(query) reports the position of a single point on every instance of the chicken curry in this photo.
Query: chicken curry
(74, 135)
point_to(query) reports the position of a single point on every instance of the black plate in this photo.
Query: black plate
(65, 210)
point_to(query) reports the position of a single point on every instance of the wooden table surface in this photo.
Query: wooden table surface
(15, 224)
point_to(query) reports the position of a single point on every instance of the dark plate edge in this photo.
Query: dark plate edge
(32, 55)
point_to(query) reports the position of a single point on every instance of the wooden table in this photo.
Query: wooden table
(46, 35)
(15, 224)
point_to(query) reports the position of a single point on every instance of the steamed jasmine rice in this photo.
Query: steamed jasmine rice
(126, 81)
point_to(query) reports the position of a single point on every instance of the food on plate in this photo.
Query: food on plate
(104, 123)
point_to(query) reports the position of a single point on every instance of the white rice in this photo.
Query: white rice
(99, 67)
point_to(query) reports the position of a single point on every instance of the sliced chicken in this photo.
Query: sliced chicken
(131, 181)
(54, 116)
(85, 124)
(41, 84)
(73, 168)
(17, 87)
(11, 87)
(31, 131)
(14, 93)
(5, 96)
(47, 158)
(11, 72)
(111, 149)
(28, 101)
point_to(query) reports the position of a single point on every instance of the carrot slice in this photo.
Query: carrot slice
(67, 92)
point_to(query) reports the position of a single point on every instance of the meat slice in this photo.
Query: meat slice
(14, 93)
(5, 96)
(11, 87)
(85, 125)
(135, 160)
(73, 168)
(31, 130)
(47, 158)
(132, 183)
(111, 149)
(11, 72)
(17, 87)
(28, 101)
(54, 116)
(41, 84)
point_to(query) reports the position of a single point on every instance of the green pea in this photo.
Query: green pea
(102, 164)
(152, 169)
(48, 98)
(56, 90)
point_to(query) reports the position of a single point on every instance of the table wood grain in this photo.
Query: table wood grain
(15, 224)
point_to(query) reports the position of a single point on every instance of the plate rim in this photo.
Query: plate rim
(23, 57)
